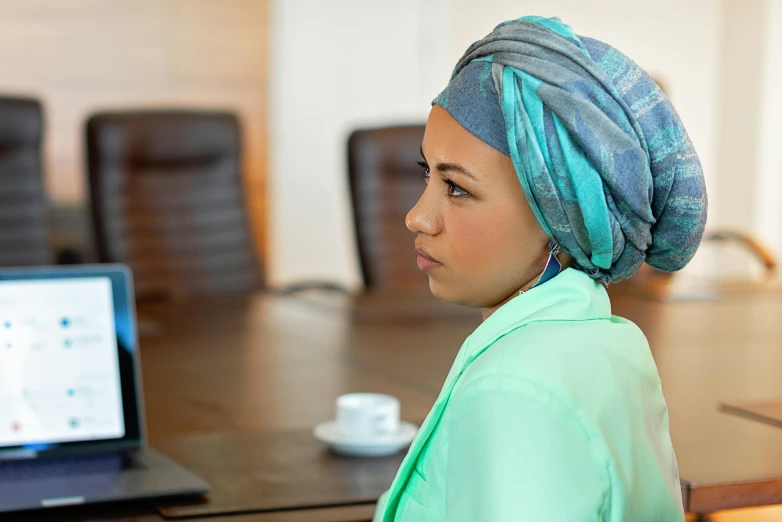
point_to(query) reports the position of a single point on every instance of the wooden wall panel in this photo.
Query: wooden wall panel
(83, 56)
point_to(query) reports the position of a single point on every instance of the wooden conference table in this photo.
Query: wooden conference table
(224, 377)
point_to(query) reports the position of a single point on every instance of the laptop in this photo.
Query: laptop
(71, 410)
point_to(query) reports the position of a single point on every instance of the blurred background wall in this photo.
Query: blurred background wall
(302, 74)
(338, 65)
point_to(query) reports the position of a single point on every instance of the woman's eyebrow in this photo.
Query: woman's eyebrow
(451, 167)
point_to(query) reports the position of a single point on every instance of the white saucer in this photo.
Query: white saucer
(328, 433)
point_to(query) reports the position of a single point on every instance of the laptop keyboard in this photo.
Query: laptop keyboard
(15, 470)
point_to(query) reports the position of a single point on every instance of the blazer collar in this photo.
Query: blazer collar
(570, 296)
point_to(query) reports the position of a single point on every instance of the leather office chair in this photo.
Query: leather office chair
(167, 199)
(763, 256)
(23, 223)
(385, 183)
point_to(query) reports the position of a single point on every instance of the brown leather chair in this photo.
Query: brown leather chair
(167, 199)
(23, 223)
(748, 243)
(385, 183)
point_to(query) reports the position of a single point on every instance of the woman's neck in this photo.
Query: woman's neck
(565, 260)
(486, 312)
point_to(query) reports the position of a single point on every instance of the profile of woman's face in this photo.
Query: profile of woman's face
(477, 237)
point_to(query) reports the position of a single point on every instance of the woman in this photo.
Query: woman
(554, 165)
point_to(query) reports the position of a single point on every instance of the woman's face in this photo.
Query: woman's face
(476, 236)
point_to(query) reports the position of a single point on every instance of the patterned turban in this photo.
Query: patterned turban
(603, 159)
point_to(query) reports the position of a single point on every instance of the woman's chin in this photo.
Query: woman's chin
(439, 290)
(461, 296)
(448, 293)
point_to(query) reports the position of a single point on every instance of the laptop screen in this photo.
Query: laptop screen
(67, 338)
(59, 371)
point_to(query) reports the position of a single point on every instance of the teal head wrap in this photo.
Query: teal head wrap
(602, 156)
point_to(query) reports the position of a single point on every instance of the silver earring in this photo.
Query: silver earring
(553, 266)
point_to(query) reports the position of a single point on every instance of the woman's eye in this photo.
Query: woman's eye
(425, 173)
(455, 190)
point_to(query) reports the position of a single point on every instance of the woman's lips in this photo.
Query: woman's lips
(425, 262)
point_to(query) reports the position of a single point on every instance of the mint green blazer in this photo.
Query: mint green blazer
(553, 411)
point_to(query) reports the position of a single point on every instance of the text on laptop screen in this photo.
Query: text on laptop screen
(59, 373)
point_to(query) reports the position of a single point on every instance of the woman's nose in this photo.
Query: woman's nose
(424, 217)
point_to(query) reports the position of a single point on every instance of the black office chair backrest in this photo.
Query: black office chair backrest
(385, 183)
(167, 199)
(23, 210)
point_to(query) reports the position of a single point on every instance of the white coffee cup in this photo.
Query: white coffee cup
(367, 416)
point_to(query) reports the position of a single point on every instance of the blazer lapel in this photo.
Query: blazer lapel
(463, 360)
(411, 459)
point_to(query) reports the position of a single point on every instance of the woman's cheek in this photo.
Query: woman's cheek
(476, 241)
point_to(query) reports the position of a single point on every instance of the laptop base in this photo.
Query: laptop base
(46, 483)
